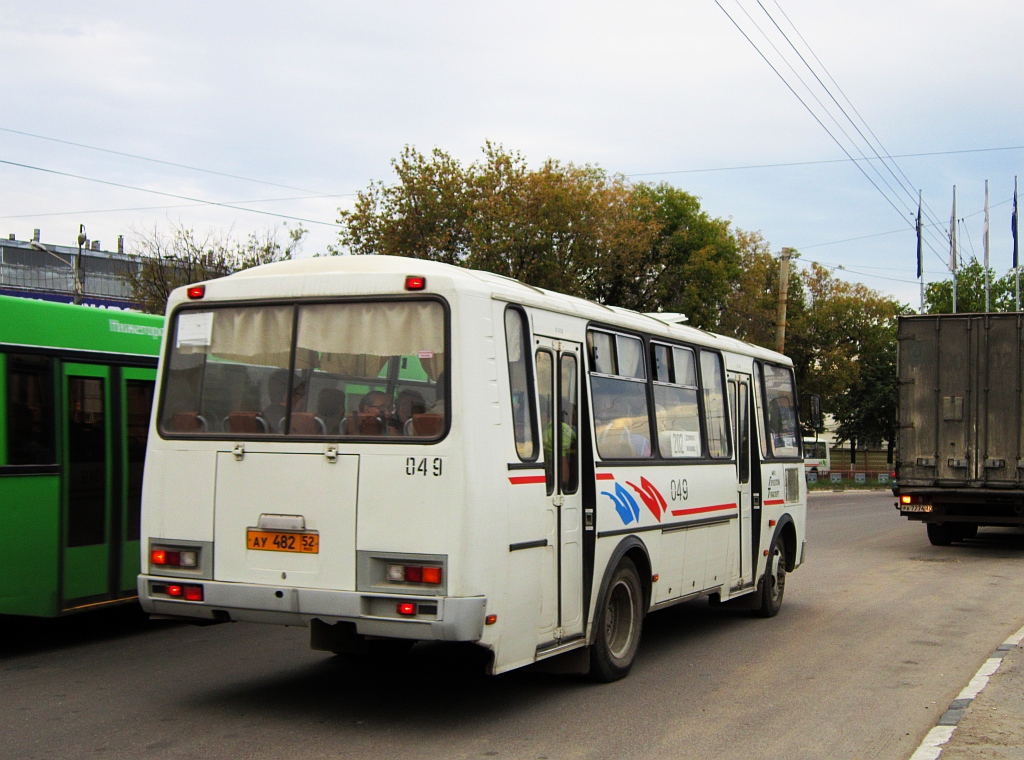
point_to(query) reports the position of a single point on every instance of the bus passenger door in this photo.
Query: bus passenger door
(558, 385)
(87, 485)
(136, 405)
(739, 396)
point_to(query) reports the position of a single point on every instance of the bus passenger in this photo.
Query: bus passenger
(277, 389)
(330, 407)
(409, 403)
(377, 405)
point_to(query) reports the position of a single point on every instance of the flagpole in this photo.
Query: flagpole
(1013, 229)
(984, 237)
(920, 262)
(952, 247)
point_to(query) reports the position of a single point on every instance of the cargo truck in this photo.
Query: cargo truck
(960, 461)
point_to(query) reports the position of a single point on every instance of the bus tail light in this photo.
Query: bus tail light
(190, 592)
(196, 291)
(414, 282)
(406, 608)
(429, 574)
(171, 558)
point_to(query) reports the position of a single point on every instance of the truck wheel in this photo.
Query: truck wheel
(619, 622)
(941, 534)
(773, 585)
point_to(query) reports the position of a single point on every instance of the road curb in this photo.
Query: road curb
(935, 740)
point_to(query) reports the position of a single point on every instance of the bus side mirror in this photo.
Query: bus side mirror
(812, 408)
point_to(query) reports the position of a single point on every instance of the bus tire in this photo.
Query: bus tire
(773, 584)
(941, 534)
(619, 624)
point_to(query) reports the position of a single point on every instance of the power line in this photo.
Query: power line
(167, 195)
(159, 161)
(877, 151)
(744, 167)
(158, 208)
(804, 104)
(827, 112)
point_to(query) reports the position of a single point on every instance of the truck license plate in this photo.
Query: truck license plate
(282, 541)
(915, 507)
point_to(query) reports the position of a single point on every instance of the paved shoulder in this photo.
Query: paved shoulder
(987, 719)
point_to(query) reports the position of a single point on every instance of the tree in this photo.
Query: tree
(649, 247)
(970, 291)
(852, 363)
(165, 261)
(568, 228)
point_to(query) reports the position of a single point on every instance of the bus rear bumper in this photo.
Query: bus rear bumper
(434, 618)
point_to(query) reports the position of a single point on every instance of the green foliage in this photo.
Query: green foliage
(970, 291)
(166, 261)
(577, 230)
(568, 228)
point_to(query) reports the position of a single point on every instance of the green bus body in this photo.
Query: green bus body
(76, 388)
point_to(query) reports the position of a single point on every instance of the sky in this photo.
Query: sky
(162, 110)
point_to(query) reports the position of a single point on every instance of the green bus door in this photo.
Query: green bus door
(106, 414)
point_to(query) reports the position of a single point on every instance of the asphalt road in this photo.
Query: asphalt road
(878, 633)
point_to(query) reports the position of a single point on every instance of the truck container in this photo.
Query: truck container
(960, 458)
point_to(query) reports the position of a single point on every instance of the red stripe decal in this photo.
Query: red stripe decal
(604, 476)
(698, 510)
(526, 479)
(774, 502)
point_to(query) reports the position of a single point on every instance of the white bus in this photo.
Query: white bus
(387, 449)
(817, 456)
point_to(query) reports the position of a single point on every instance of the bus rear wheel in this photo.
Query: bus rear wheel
(619, 624)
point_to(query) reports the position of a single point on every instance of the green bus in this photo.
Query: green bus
(76, 388)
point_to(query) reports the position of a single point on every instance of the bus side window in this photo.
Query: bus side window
(546, 396)
(621, 420)
(715, 420)
(30, 420)
(520, 383)
(783, 433)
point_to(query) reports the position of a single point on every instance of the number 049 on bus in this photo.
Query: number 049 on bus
(279, 541)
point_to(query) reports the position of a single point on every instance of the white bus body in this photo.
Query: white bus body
(537, 474)
(817, 456)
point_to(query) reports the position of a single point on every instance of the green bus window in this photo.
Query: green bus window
(30, 427)
(517, 342)
(87, 461)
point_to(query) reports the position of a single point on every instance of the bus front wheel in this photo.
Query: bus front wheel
(773, 586)
(618, 625)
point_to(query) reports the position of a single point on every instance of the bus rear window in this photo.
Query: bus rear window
(339, 369)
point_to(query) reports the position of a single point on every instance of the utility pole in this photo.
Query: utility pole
(780, 322)
(78, 265)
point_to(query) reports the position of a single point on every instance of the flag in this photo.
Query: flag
(1013, 223)
(952, 235)
(920, 263)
